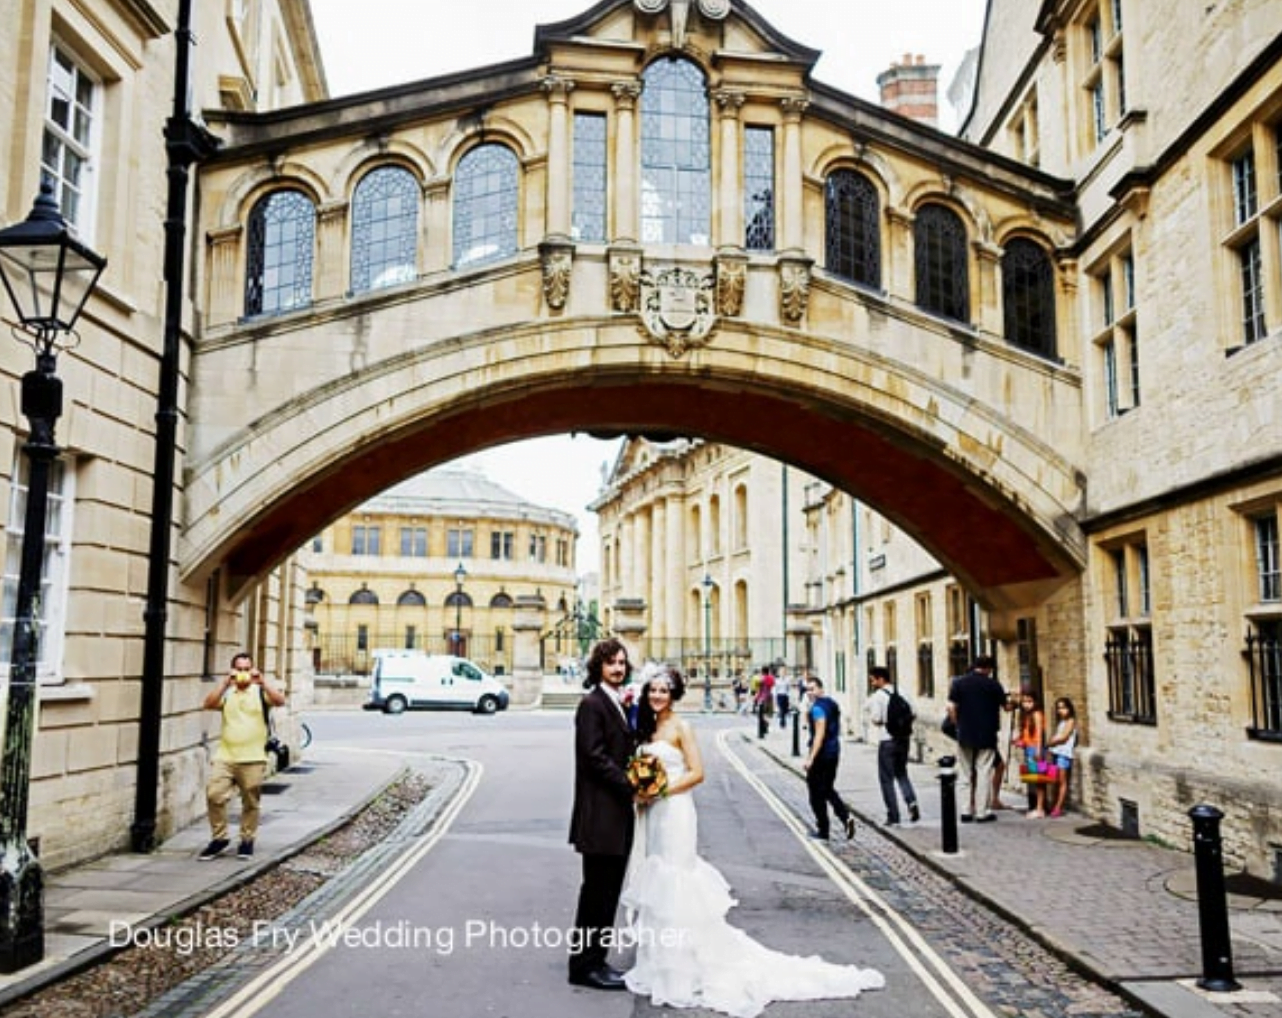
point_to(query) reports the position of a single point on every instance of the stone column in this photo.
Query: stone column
(627, 570)
(529, 618)
(558, 173)
(660, 581)
(226, 288)
(792, 227)
(330, 275)
(730, 193)
(674, 570)
(626, 200)
(437, 245)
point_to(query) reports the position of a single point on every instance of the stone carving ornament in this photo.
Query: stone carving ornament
(677, 308)
(713, 10)
(558, 265)
(625, 282)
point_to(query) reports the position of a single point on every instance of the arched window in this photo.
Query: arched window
(1028, 297)
(501, 600)
(943, 280)
(363, 596)
(459, 599)
(282, 234)
(852, 224)
(384, 229)
(314, 595)
(411, 599)
(485, 205)
(740, 517)
(676, 157)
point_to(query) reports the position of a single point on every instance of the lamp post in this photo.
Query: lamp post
(707, 641)
(460, 574)
(48, 275)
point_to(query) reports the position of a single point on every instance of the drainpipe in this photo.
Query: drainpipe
(186, 142)
(787, 558)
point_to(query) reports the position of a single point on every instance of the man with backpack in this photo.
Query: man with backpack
(892, 716)
(822, 761)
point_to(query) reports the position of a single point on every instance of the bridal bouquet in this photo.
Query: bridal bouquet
(647, 776)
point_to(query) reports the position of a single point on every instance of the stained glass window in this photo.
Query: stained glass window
(759, 188)
(282, 233)
(589, 217)
(485, 205)
(852, 215)
(1028, 297)
(943, 278)
(676, 157)
(384, 229)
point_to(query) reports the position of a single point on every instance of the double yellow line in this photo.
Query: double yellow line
(934, 972)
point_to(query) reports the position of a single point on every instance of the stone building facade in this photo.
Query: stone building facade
(437, 563)
(86, 90)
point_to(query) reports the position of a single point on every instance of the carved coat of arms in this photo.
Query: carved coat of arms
(677, 308)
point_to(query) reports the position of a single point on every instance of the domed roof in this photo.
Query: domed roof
(465, 494)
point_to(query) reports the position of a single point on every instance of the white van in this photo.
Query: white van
(405, 679)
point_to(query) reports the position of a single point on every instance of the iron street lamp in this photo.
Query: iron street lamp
(460, 574)
(707, 641)
(48, 275)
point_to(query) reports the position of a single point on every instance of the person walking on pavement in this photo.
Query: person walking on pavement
(765, 701)
(602, 818)
(975, 703)
(240, 760)
(892, 746)
(822, 761)
(783, 701)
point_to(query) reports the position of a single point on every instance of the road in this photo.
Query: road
(487, 893)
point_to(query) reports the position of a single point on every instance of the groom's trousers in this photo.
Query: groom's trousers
(594, 919)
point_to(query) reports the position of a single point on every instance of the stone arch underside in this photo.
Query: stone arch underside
(993, 502)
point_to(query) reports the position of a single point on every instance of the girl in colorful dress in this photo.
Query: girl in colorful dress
(1032, 734)
(1061, 747)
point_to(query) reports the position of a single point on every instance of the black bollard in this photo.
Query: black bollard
(796, 732)
(948, 803)
(1212, 902)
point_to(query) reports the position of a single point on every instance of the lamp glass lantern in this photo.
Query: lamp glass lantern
(460, 574)
(707, 640)
(47, 272)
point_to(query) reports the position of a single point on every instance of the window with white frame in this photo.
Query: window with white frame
(1252, 241)
(1116, 336)
(50, 609)
(1103, 76)
(67, 158)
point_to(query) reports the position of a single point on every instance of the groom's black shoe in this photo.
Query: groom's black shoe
(604, 978)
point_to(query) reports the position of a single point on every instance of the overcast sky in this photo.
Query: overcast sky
(369, 44)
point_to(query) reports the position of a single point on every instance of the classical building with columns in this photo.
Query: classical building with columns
(438, 564)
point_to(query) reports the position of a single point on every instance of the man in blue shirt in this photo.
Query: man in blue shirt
(823, 759)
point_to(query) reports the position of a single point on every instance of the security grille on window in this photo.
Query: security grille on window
(67, 148)
(852, 228)
(943, 276)
(1128, 646)
(1028, 297)
(50, 607)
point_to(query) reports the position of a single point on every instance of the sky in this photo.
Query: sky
(371, 44)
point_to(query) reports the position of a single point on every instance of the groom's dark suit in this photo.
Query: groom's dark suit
(601, 823)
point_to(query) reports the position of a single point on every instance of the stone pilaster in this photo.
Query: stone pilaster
(529, 619)
(626, 201)
(558, 92)
(730, 199)
(792, 228)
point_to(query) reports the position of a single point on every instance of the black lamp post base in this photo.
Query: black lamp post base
(22, 934)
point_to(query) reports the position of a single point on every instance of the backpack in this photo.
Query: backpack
(899, 716)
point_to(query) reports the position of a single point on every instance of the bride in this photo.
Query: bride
(676, 902)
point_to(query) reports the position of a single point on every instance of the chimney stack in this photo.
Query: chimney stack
(911, 89)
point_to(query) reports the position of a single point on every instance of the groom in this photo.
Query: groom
(602, 820)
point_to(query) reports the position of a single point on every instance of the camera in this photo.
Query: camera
(243, 678)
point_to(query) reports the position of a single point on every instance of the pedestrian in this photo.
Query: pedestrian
(765, 701)
(975, 702)
(782, 700)
(1061, 747)
(1031, 741)
(822, 761)
(602, 818)
(739, 692)
(244, 698)
(885, 711)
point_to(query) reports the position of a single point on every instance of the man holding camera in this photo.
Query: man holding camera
(240, 761)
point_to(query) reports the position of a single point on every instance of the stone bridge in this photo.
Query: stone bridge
(651, 224)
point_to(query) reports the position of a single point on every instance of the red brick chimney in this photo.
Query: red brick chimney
(911, 89)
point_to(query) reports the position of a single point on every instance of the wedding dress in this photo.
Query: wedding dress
(687, 954)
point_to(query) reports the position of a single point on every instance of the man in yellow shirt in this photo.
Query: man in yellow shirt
(240, 761)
